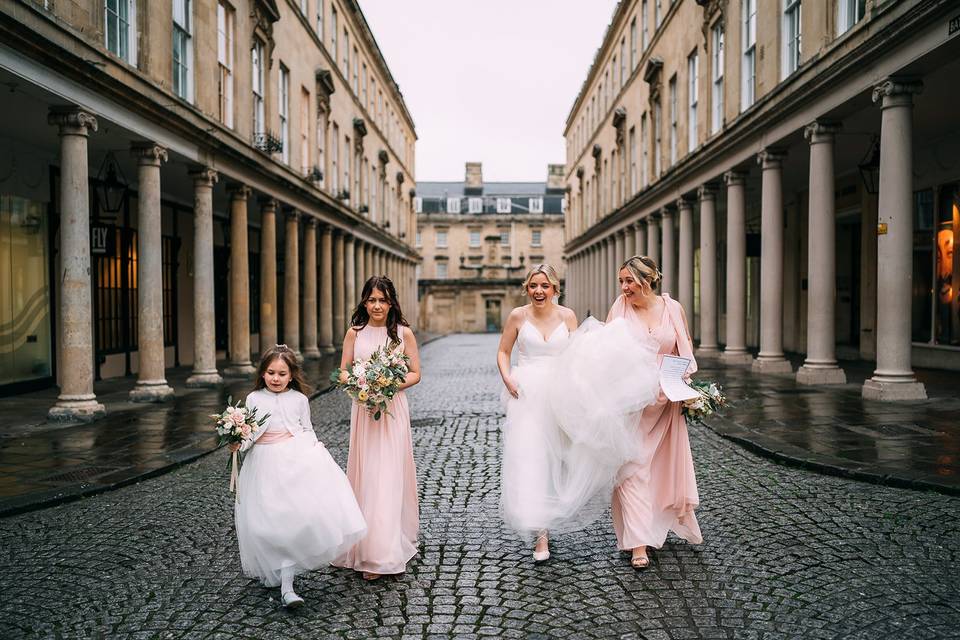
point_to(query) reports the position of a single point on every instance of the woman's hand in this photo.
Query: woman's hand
(234, 446)
(512, 387)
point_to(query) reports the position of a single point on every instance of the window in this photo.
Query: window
(225, 21)
(623, 62)
(257, 65)
(334, 161)
(453, 205)
(182, 50)
(356, 73)
(536, 205)
(633, 44)
(503, 205)
(373, 193)
(120, 18)
(748, 62)
(322, 119)
(673, 119)
(536, 237)
(791, 36)
(693, 88)
(613, 72)
(606, 94)
(716, 106)
(283, 108)
(633, 160)
(441, 239)
(505, 238)
(418, 238)
(657, 137)
(474, 238)
(320, 19)
(347, 163)
(476, 205)
(850, 12)
(657, 13)
(305, 131)
(644, 151)
(418, 206)
(645, 24)
(334, 51)
(345, 65)
(441, 270)
(363, 85)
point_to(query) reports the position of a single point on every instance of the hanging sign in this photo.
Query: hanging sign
(102, 239)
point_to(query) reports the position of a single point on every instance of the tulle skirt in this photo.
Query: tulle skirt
(295, 509)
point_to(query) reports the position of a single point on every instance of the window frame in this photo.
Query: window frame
(717, 62)
(126, 29)
(182, 50)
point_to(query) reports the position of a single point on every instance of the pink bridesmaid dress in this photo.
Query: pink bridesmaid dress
(657, 492)
(381, 471)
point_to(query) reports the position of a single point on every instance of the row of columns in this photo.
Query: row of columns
(344, 262)
(594, 267)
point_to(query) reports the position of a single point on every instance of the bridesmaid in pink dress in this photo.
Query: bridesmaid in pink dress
(657, 492)
(380, 463)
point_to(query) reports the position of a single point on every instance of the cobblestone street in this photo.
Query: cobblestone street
(788, 553)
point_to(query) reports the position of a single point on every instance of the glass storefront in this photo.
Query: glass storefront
(936, 275)
(24, 291)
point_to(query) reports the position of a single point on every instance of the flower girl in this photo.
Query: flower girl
(295, 510)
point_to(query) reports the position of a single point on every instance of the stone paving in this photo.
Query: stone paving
(788, 553)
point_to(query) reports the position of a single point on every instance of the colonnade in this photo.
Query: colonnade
(593, 263)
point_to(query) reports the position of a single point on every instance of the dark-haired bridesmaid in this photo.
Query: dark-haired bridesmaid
(380, 463)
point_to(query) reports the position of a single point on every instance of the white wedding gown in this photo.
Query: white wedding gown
(574, 424)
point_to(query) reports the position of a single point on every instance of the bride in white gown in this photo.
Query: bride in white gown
(571, 405)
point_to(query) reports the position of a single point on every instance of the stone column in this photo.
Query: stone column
(621, 249)
(339, 295)
(640, 234)
(593, 292)
(820, 365)
(629, 243)
(239, 303)
(653, 238)
(291, 282)
(735, 351)
(350, 277)
(607, 268)
(76, 401)
(708, 272)
(770, 359)
(893, 378)
(204, 331)
(368, 268)
(326, 290)
(269, 333)
(685, 261)
(151, 380)
(669, 264)
(311, 348)
(359, 271)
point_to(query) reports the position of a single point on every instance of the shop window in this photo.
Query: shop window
(947, 270)
(923, 260)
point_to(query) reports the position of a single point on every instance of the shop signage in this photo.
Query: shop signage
(954, 26)
(102, 239)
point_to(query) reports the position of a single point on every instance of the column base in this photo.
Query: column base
(152, 391)
(76, 409)
(202, 379)
(816, 375)
(706, 353)
(240, 370)
(736, 357)
(893, 390)
(328, 348)
(771, 365)
(311, 353)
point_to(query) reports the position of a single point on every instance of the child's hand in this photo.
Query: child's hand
(234, 446)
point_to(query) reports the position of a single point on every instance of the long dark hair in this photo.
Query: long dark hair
(394, 315)
(285, 353)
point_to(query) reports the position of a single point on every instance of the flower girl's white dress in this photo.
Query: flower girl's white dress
(294, 506)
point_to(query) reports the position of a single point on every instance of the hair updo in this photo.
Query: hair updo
(546, 270)
(644, 269)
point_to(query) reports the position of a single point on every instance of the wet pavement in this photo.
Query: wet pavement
(831, 429)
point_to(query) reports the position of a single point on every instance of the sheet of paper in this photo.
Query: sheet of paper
(671, 379)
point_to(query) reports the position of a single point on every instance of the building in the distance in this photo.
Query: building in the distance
(478, 239)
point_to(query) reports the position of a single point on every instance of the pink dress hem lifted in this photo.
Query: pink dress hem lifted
(657, 492)
(381, 471)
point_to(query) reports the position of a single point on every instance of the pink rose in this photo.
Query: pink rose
(362, 382)
(344, 376)
(245, 430)
(237, 418)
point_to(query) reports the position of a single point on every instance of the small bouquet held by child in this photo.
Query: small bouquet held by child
(373, 382)
(237, 425)
(710, 399)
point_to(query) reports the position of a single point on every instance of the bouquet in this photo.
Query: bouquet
(711, 399)
(237, 425)
(373, 382)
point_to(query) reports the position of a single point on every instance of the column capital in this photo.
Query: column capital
(770, 158)
(820, 131)
(267, 204)
(666, 212)
(684, 203)
(148, 153)
(72, 120)
(706, 191)
(238, 191)
(734, 178)
(327, 230)
(290, 213)
(310, 221)
(204, 176)
(348, 238)
(622, 232)
(896, 90)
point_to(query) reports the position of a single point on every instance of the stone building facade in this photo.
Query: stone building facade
(478, 239)
(794, 168)
(190, 180)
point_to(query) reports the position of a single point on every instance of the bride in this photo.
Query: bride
(572, 402)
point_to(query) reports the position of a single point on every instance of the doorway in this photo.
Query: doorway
(493, 316)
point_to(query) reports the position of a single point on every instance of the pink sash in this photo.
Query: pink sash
(273, 437)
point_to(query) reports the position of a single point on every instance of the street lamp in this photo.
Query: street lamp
(111, 185)
(870, 167)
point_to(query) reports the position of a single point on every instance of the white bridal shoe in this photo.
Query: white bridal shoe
(541, 556)
(291, 600)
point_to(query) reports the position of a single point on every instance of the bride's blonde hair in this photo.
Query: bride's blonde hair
(546, 270)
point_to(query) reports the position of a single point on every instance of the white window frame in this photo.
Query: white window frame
(441, 238)
(657, 13)
(475, 205)
(849, 13)
(373, 194)
(504, 238)
(345, 63)
(693, 90)
(283, 112)
(356, 72)
(305, 164)
(748, 48)
(226, 28)
(503, 205)
(633, 159)
(623, 62)
(633, 44)
(363, 85)
(644, 151)
(183, 45)
(453, 205)
(717, 73)
(474, 238)
(257, 73)
(657, 138)
(418, 236)
(124, 16)
(792, 37)
(335, 161)
(334, 43)
(442, 270)
(536, 237)
(645, 24)
(672, 96)
(535, 205)
(320, 34)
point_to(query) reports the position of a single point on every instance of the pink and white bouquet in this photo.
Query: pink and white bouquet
(373, 382)
(711, 399)
(237, 425)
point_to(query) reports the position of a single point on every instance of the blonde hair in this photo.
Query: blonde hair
(643, 269)
(546, 270)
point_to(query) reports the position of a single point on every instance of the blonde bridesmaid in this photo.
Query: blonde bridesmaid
(380, 463)
(657, 492)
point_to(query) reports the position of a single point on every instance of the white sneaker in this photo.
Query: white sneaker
(291, 600)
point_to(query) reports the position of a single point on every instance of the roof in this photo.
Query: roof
(505, 189)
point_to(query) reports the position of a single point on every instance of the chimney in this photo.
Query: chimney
(473, 181)
(555, 179)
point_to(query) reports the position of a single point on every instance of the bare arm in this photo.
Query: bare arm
(413, 352)
(569, 319)
(349, 341)
(507, 339)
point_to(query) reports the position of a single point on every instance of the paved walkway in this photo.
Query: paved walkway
(788, 553)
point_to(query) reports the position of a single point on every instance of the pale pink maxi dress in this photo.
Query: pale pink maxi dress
(381, 471)
(657, 492)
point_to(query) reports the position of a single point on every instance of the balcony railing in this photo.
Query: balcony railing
(267, 142)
